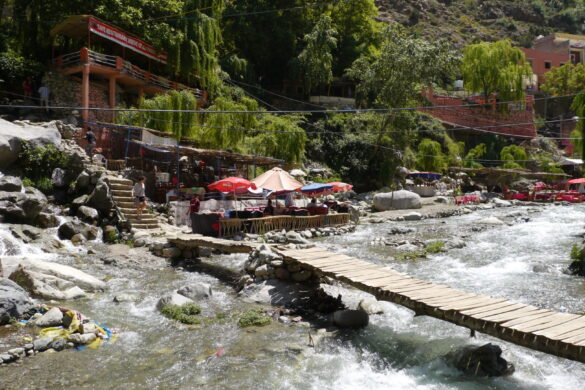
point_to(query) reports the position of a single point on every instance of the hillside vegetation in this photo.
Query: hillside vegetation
(465, 21)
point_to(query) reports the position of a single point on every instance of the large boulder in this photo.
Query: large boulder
(482, 361)
(65, 276)
(397, 200)
(14, 301)
(173, 299)
(10, 184)
(351, 318)
(12, 135)
(101, 197)
(22, 207)
(88, 214)
(71, 228)
(196, 291)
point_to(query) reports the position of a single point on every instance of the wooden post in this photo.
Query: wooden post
(85, 92)
(112, 96)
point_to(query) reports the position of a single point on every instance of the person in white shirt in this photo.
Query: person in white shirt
(44, 93)
(139, 196)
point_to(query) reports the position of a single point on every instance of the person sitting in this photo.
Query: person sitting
(269, 209)
(312, 203)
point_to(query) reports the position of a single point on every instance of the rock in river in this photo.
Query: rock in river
(14, 301)
(397, 200)
(53, 317)
(482, 361)
(351, 318)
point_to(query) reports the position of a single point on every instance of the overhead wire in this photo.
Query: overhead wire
(260, 112)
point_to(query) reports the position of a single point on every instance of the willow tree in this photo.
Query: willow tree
(430, 157)
(513, 156)
(495, 68)
(229, 130)
(473, 155)
(316, 59)
(280, 137)
(564, 80)
(195, 51)
(173, 112)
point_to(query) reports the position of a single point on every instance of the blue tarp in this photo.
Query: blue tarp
(316, 188)
(425, 175)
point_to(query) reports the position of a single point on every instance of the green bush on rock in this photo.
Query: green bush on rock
(186, 314)
(577, 267)
(253, 317)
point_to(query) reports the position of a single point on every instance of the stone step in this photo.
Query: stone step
(129, 210)
(125, 193)
(144, 219)
(123, 187)
(125, 204)
(117, 180)
(119, 200)
(145, 226)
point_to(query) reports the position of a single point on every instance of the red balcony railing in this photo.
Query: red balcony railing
(85, 56)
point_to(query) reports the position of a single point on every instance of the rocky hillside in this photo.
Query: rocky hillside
(464, 21)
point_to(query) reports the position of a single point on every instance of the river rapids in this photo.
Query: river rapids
(523, 261)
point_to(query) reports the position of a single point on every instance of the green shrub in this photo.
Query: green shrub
(435, 247)
(110, 236)
(186, 314)
(253, 317)
(39, 162)
(576, 253)
(43, 184)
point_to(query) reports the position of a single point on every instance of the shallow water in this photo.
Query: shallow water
(523, 262)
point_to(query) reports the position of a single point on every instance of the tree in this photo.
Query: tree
(513, 156)
(475, 153)
(430, 156)
(495, 68)
(196, 49)
(394, 77)
(281, 136)
(565, 80)
(316, 60)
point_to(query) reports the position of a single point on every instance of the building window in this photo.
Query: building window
(547, 65)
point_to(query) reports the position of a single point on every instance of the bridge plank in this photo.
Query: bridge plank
(543, 323)
(522, 311)
(525, 317)
(440, 301)
(578, 323)
(472, 303)
(439, 291)
(497, 308)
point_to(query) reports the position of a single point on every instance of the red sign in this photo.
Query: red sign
(116, 35)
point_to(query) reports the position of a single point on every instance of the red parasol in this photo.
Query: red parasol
(340, 187)
(231, 184)
(577, 181)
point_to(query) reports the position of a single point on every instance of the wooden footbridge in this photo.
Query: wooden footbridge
(559, 334)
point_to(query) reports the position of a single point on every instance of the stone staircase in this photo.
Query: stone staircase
(121, 190)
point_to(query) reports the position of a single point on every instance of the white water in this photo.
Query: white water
(522, 262)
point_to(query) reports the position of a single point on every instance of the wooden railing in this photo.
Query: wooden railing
(85, 56)
(233, 226)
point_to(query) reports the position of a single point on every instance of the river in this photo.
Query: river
(523, 261)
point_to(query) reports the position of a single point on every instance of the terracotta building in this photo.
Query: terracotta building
(553, 51)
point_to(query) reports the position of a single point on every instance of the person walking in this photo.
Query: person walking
(44, 92)
(91, 141)
(139, 196)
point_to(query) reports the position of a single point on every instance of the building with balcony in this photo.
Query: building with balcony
(112, 66)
